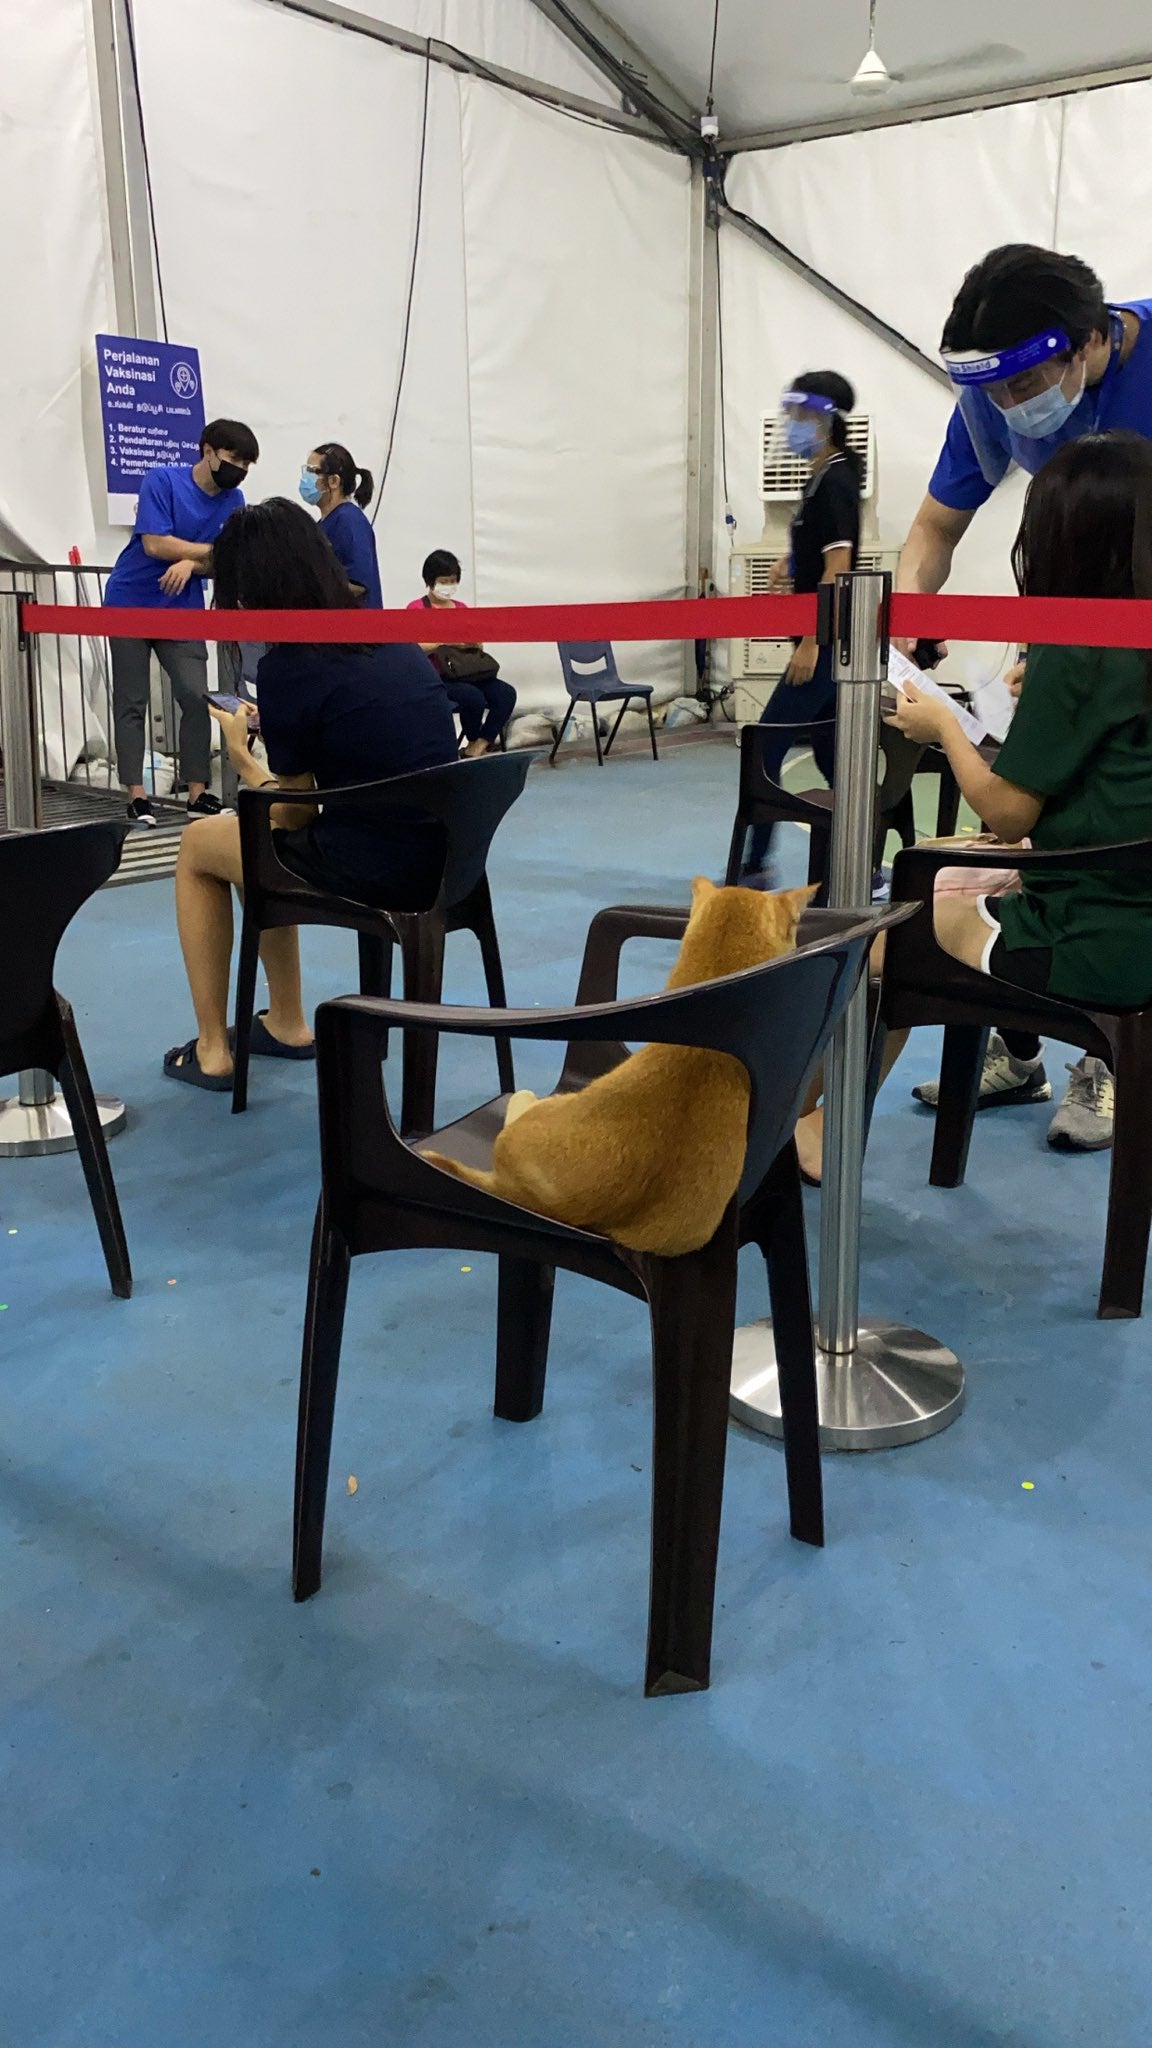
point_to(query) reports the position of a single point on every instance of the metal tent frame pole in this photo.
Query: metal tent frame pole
(879, 1382)
(35, 1121)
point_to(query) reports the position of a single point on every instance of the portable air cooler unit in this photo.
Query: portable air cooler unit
(756, 666)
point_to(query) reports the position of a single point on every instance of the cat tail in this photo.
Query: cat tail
(475, 1175)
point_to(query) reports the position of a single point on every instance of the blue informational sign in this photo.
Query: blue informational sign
(152, 408)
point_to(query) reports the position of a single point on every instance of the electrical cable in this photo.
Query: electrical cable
(147, 165)
(417, 225)
(712, 58)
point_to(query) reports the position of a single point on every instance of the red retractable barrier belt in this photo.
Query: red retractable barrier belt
(1053, 621)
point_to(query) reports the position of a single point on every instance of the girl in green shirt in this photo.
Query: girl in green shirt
(1076, 767)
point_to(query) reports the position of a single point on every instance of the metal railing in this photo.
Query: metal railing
(73, 746)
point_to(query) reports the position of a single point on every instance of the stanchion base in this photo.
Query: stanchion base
(27, 1132)
(898, 1387)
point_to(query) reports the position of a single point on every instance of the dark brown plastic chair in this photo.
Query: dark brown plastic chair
(469, 798)
(45, 878)
(924, 985)
(761, 801)
(380, 1195)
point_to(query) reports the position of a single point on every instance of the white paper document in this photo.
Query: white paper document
(902, 671)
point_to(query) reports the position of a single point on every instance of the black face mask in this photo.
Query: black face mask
(227, 475)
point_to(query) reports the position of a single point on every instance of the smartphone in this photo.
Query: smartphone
(224, 702)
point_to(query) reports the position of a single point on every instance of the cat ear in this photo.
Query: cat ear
(702, 888)
(799, 899)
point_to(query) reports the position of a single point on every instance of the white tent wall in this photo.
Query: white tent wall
(56, 294)
(541, 432)
(288, 264)
(577, 250)
(1106, 186)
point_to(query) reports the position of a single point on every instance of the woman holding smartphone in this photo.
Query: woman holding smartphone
(329, 715)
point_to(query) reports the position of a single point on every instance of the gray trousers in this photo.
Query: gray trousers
(185, 663)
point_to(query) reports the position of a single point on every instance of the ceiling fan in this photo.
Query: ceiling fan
(872, 75)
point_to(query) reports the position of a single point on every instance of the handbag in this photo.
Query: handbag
(464, 664)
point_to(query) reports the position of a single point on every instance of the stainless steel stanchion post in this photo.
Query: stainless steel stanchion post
(879, 1383)
(35, 1121)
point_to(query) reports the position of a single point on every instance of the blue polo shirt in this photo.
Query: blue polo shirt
(353, 542)
(1123, 398)
(170, 502)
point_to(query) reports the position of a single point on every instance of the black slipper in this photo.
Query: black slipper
(181, 1064)
(262, 1045)
(809, 1179)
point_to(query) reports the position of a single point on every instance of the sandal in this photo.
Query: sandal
(181, 1064)
(262, 1045)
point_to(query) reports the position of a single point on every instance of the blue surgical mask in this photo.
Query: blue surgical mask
(804, 439)
(310, 487)
(1038, 418)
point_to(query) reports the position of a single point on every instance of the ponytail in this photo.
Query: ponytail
(838, 435)
(336, 461)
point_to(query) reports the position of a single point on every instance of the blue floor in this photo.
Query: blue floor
(431, 1807)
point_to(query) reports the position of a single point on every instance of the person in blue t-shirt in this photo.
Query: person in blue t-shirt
(1037, 356)
(179, 514)
(331, 481)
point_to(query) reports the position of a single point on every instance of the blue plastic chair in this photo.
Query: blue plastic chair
(592, 677)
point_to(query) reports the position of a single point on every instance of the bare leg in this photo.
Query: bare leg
(810, 1128)
(207, 871)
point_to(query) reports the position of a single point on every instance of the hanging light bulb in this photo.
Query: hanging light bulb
(872, 74)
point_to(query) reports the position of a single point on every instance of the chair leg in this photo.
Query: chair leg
(624, 703)
(90, 1143)
(693, 1307)
(319, 1367)
(819, 859)
(1130, 1184)
(485, 930)
(947, 803)
(736, 851)
(246, 967)
(651, 728)
(375, 964)
(785, 1250)
(422, 947)
(563, 730)
(524, 1321)
(961, 1065)
(595, 710)
(376, 971)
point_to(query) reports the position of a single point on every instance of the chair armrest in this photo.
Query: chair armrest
(608, 934)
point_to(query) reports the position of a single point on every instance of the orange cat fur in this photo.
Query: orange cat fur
(652, 1153)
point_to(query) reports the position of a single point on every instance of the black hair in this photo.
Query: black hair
(355, 483)
(830, 384)
(232, 436)
(1087, 525)
(1016, 291)
(440, 563)
(273, 556)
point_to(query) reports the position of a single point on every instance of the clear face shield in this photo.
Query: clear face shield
(805, 420)
(1035, 385)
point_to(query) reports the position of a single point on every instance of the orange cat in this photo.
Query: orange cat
(652, 1153)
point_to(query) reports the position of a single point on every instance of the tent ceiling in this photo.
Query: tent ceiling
(780, 66)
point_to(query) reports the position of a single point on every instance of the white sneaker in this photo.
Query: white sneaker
(1005, 1081)
(1084, 1120)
